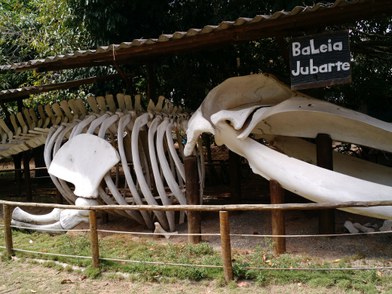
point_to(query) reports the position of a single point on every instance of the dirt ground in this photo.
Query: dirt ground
(23, 278)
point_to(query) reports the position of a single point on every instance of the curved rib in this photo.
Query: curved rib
(96, 123)
(120, 199)
(139, 123)
(156, 171)
(56, 147)
(48, 153)
(165, 165)
(108, 180)
(123, 122)
(78, 129)
(172, 150)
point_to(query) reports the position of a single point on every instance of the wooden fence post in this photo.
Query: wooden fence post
(192, 191)
(94, 238)
(226, 246)
(7, 230)
(277, 218)
(325, 160)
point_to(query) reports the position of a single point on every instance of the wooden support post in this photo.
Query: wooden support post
(226, 246)
(39, 162)
(94, 239)
(104, 217)
(7, 230)
(151, 81)
(19, 102)
(235, 176)
(325, 160)
(213, 175)
(18, 172)
(27, 178)
(277, 218)
(59, 197)
(192, 188)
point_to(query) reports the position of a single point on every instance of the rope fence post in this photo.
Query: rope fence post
(226, 246)
(94, 239)
(277, 218)
(7, 230)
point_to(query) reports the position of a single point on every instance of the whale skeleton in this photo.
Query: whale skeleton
(238, 112)
(85, 146)
(242, 110)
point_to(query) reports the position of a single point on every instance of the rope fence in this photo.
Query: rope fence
(51, 254)
(206, 234)
(224, 234)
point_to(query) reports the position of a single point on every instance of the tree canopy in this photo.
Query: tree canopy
(32, 29)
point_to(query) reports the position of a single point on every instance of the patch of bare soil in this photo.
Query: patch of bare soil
(17, 277)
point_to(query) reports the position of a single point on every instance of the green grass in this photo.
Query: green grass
(147, 250)
(151, 251)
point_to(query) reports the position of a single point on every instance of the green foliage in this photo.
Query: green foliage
(34, 29)
(117, 21)
(371, 89)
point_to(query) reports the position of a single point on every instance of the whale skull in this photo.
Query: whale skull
(242, 109)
